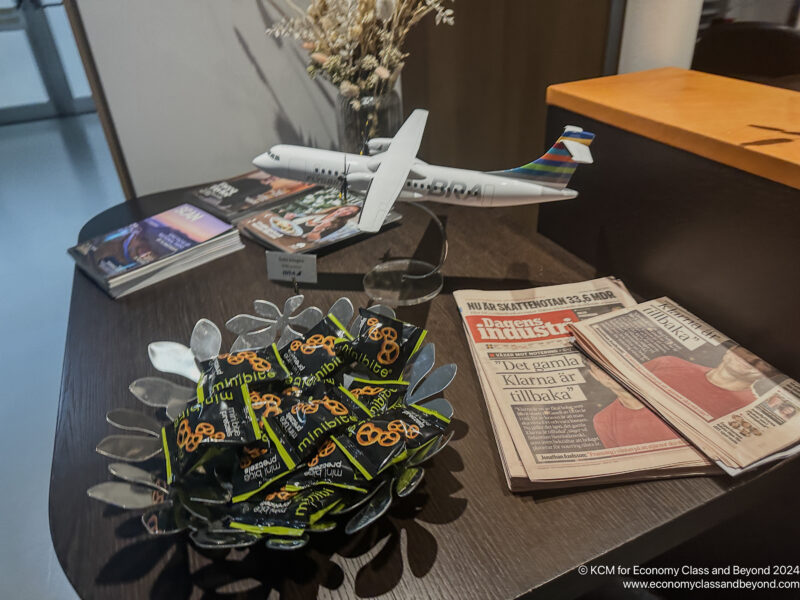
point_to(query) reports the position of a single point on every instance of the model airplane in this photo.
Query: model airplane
(391, 170)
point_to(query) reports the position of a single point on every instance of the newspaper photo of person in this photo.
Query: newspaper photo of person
(732, 405)
(719, 390)
(781, 407)
(626, 421)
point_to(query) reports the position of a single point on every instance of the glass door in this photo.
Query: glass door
(41, 73)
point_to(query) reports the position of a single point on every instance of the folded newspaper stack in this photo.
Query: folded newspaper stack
(559, 419)
(736, 408)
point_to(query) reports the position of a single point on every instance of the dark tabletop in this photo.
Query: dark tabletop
(462, 534)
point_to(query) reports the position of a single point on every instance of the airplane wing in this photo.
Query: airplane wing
(392, 173)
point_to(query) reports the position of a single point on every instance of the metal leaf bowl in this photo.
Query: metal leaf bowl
(191, 503)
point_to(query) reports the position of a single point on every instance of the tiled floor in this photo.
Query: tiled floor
(54, 175)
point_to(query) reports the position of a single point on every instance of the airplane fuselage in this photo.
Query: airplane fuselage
(424, 182)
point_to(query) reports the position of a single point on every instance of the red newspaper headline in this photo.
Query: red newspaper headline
(521, 328)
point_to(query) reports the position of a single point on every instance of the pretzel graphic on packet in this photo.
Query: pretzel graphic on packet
(390, 349)
(258, 363)
(383, 345)
(206, 424)
(281, 495)
(266, 404)
(189, 440)
(378, 395)
(409, 431)
(314, 356)
(389, 353)
(367, 390)
(250, 453)
(369, 433)
(253, 367)
(313, 343)
(326, 450)
(370, 448)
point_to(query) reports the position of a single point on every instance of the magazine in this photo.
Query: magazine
(308, 222)
(558, 418)
(234, 198)
(154, 248)
(737, 408)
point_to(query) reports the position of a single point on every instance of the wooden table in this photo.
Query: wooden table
(461, 535)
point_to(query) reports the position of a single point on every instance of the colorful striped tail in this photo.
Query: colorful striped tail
(555, 168)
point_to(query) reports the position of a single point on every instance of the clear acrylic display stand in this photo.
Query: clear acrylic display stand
(407, 281)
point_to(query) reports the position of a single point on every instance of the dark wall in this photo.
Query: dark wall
(484, 79)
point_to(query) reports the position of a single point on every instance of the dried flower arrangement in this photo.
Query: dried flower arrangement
(358, 44)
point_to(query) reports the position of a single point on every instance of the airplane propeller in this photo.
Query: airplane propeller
(343, 180)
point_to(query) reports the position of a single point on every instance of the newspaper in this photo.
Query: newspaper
(738, 409)
(559, 419)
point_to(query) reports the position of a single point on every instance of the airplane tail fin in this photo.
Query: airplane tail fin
(555, 168)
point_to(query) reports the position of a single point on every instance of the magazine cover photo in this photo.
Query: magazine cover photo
(307, 222)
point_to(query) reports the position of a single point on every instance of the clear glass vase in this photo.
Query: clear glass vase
(377, 116)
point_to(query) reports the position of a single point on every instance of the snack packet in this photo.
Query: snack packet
(257, 466)
(323, 411)
(269, 400)
(329, 466)
(383, 345)
(292, 426)
(418, 424)
(377, 395)
(373, 446)
(284, 512)
(313, 357)
(223, 419)
(379, 442)
(251, 367)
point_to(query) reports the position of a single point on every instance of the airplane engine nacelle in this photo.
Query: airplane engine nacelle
(359, 181)
(376, 145)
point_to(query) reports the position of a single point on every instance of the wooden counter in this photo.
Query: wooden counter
(753, 127)
(693, 194)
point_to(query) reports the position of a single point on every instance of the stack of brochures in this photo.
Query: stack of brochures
(639, 392)
(148, 251)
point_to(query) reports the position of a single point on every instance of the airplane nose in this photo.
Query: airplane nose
(263, 161)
